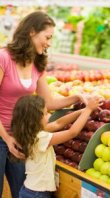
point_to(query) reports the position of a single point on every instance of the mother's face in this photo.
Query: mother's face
(42, 40)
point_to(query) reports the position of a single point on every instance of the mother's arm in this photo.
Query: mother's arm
(54, 103)
(10, 141)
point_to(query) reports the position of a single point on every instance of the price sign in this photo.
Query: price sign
(90, 191)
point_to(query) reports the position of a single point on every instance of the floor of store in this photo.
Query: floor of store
(6, 191)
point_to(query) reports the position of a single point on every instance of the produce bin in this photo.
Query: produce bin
(74, 183)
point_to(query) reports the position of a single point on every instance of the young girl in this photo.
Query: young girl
(31, 130)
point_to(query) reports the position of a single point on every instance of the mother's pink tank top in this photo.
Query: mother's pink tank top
(11, 88)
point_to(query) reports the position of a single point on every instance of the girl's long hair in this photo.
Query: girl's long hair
(26, 121)
(21, 47)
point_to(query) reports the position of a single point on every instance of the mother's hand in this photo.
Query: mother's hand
(82, 98)
(15, 148)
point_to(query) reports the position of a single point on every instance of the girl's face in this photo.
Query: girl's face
(42, 40)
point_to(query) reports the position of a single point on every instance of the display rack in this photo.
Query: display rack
(74, 183)
(82, 61)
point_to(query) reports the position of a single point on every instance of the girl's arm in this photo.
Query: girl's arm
(63, 121)
(63, 136)
(53, 103)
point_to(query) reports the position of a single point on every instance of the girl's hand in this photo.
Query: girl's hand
(15, 148)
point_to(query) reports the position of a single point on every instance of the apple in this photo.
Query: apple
(96, 174)
(109, 141)
(68, 143)
(59, 149)
(60, 157)
(75, 145)
(106, 104)
(104, 178)
(82, 147)
(104, 115)
(106, 154)
(105, 167)
(51, 79)
(105, 137)
(108, 172)
(73, 164)
(87, 136)
(76, 157)
(98, 164)
(99, 150)
(78, 105)
(108, 181)
(92, 125)
(90, 171)
(95, 114)
(68, 153)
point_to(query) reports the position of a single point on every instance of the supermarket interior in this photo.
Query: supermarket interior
(78, 64)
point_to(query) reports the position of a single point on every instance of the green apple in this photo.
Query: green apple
(108, 181)
(51, 79)
(104, 178)
(90, 171)
(96, 174)
(98, 164)
(99, 150)
(106, 154)
(108, 172)
(109, 142)
(104, 168)
(93, 173)
(104, 137)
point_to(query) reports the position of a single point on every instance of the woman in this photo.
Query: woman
(22, 72)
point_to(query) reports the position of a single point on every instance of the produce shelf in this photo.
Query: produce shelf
(75, 179)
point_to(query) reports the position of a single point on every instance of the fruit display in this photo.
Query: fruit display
(101, 165)
(71, 151)
(76, 86)
(73, 74)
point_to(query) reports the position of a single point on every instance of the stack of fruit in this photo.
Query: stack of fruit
(101, 166)
(71, 152)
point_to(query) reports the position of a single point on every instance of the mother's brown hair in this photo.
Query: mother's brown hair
(21, 47)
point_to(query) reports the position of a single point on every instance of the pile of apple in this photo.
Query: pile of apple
(71, 151)
(70, 75)
(101, 166)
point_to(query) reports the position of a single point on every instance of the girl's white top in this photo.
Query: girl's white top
(40, 171)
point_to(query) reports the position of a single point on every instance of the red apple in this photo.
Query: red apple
(92, 125)
(68, 153)
(78, 105)
(68, 143)
(104, 115)
(59, 149)
(106, 104)
(82, 147)
(75, 145)
(88, 136)
(76, 157)
(60, 158)
(95, 114)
